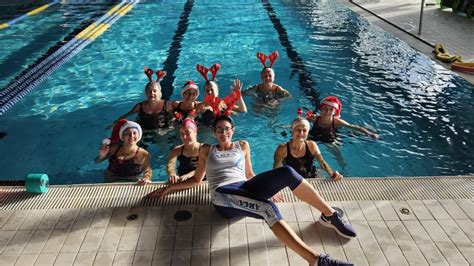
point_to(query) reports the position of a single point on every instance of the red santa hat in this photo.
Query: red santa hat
(334, 102)
(130, 125)
(190, 85)
(115, 138)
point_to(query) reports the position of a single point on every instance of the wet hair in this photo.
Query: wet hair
(265, 68)
(153, 84)
(222, 118)
(212, 83)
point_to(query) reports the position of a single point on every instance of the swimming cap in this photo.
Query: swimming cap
(299, 121)
(189, 122)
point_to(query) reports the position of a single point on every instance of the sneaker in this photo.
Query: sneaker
(326, 260)
(337, 223)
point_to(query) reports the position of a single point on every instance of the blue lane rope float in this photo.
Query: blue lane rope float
(60, 52)
(18, 88)
(28, 14)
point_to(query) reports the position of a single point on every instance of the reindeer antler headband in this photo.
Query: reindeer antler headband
(203, 71)
(263, 58)
(149, 73)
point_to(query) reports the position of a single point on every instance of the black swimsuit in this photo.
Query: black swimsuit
(207, 118)
(184, 113)
(303, 165)
(125, 168)
(186, 164)
(265, 97)
(153, 121)
(325, 134)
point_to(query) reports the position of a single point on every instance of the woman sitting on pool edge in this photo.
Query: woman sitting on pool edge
(186, 154)
(325, 125)
(154, 113)
(127, 161)
(237, 192)
(268, 92)
(213, 106)
(300, 153)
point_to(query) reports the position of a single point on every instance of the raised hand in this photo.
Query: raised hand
(237, 85)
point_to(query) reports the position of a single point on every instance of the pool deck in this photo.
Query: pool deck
(454, 31)
(399, 221)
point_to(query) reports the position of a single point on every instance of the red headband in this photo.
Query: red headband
(263, 58)
(203, 71)
(149, 73)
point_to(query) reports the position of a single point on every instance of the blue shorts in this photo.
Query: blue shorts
(252, 197)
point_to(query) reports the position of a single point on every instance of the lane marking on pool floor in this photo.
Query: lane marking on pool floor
(307, 85)
(171, 63)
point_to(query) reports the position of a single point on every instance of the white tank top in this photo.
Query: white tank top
(225, 167)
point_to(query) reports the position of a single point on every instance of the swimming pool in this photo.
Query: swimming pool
(422, 111)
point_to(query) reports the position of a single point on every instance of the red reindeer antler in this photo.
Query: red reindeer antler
(263, 58)
(160, 74)
(299, 111)
(203, 71)
(309, 114)
(273, 57)
(230, 100)
(149, 73)
(214, 102)
(214, 69)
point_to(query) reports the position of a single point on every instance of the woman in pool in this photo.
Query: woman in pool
(300, 153)
(154, 113)
(325, 125)
(213, 106)
(237, 192)
(186, 154)
(127, 161)
(268, 92)
(187, 106)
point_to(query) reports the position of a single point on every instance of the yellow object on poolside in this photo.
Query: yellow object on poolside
(442, 54)
(446, 58)
(467, 67)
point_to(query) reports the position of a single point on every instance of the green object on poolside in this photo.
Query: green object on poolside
(37, 183)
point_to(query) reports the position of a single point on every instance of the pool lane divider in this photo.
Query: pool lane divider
(307, 85)
(19, 87)
(28, 14)
(171, 63)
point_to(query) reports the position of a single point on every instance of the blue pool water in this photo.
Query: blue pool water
(422, 111)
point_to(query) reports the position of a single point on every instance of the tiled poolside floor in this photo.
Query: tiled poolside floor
(434, 232)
